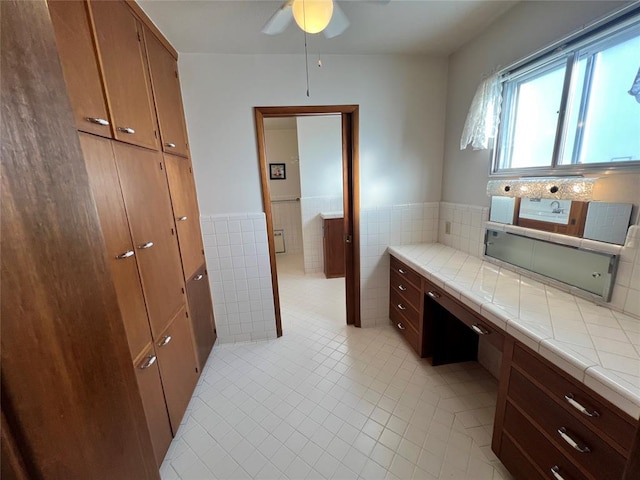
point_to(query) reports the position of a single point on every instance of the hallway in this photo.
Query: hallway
(328, 401)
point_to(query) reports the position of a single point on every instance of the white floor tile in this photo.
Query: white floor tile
(329, 401)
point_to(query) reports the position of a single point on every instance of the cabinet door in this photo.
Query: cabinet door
(201, 308)
(166, 92)
(119, 38)
(334, 265)
(155, 408)
(103, 179)
(146, 198)
(80, 66)
(185, 209)
(177, 359)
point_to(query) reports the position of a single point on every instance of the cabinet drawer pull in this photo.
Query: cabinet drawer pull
(127, 254)
(479, 329)
(182, 219)
(555, 471)
(128, 130)
(433, 294)
(401, 306)
(576, 446)
(401, 271)
(165, 340)
(402, 288)
(401, 326)
(199, 277)
(151, 359)
(98, 121)
(170, 145)
(569, 398)
(144, 246)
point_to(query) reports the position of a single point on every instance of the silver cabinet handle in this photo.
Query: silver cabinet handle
(182, 219)
(97, 121)
(555, 471)
(151, 359)
(170, 145)
(401, 271)
(569, 398)
(433, 294)
(479, 329)
(199, 277)
(401, 327)
(575, 445)
(128, 130)
(402, 288)
(127, 254)
(165, 340)
(145, 245)
(401, 306)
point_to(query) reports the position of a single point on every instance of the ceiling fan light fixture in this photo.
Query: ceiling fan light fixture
(312, 16)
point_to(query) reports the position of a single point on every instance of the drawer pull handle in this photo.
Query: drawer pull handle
(144, 246)
(576, 446)
(170, 145)
(555, 471)
(151, 359)
(569, 398)
(182, 219)
(127, 254)
(433, 294)
(401, 306)
(479, 329)
(199, 277)
(97, 121)
(128, 130)
(401, 326)
(401, 271)
(402, 288)
(165, 340)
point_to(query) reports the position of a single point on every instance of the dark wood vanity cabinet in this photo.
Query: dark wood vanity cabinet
(406, 304)
(333, 244)
(201, 309)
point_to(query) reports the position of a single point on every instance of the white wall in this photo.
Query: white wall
(282, 147)
(402, 111)
(521, 31)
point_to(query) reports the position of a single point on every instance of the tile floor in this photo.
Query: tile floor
(327, 401)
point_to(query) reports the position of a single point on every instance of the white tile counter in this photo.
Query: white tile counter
(597, 346)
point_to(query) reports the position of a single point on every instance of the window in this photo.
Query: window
(572, 110)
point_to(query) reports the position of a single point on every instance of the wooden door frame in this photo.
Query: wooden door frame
(350, 196)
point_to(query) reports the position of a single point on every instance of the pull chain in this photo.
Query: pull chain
(306, 61)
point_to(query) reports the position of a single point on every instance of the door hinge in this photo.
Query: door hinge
(182, 290)
(172, 231)
(161, 166)
(139, 38)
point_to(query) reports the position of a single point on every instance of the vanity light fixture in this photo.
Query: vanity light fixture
(557, 188)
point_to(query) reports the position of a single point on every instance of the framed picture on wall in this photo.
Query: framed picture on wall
(277, 171)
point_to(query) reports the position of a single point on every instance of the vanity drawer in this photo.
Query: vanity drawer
(406, 329)
(601, 459)
(406, 273)
(608, 421)
(526, 438)
(407, 290)
(517, 462)
(405, 309)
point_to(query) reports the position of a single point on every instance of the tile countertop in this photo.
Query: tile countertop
(598, 346)
(331, 215)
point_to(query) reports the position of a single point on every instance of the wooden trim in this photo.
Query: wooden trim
(266, 204)
(12, 465)
(142, 16)
(632, 470)
(351, 196)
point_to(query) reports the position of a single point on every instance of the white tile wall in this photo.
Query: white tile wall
(312, 229)
(379, 228)
(626, 291)
(466, 230)
(607, 222)
(287, 217)
(240, 275)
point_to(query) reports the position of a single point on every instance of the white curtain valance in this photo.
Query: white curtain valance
(482, 121)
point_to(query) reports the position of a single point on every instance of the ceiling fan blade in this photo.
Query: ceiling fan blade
(338, 24)
(279, 20)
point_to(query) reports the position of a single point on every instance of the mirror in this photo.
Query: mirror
(602, 221)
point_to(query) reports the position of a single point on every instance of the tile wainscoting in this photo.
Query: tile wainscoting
(288, 218)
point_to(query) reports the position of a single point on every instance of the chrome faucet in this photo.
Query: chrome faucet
(555, 207)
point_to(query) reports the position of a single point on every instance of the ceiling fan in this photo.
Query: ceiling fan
(312, 16)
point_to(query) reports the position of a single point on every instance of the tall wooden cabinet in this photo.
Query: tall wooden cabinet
(123, 85)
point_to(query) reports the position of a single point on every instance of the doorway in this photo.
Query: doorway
(351, 197)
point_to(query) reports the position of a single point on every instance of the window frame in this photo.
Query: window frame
(570, 50)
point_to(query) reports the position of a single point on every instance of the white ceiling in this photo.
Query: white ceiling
(377, 26)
